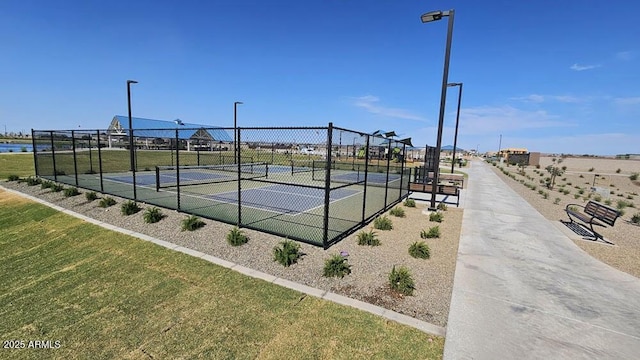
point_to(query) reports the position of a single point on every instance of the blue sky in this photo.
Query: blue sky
(551, 76)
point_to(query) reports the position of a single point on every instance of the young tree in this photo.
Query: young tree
(554, 170)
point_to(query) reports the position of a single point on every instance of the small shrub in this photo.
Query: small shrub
(129, 208)
(57, 187)
(33, 181)
(635, 219)
(566, 191)
(634, 176)
(442, 206)
(192, 223)
(618, 171)
(621, 204)
(368, 238)
(581, 191)
(236, 237)
(91, 195)
(410, 203)
(46, 184)
(401, 281)
(397, 212)
(72, 191)
(607, 202)
(152, 215)
(434, 232)
(545, 195)
(569, 184)
(630, 197)
(540, 192)
(383, 223)
(106, 202)
(13, 178)
(575, 196)
(287, 253)
(336, 266)
(538, 166)
(581, 176)
(597, 198)
(436, 216)
(556, 201)
(591, 169)
(420, 250)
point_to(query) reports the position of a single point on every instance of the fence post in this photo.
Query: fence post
(327, 188)
(35, 157)
(75, 160)
(53, 157)
(177, 172)
(90, 156)
(386, 186)
(239, 177)
(100, 162)
(366, 171)
(134, 157)
(404, 149)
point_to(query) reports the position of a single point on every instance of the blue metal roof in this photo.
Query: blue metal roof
(152, 128)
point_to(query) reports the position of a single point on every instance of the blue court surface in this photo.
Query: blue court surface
(352, 177)
(281, 198)
(168, 179)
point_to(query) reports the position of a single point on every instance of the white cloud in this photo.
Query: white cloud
(625, 55)
(578, 67)
(503, 119)
(536, 98)
(370, 104)
(628, 101)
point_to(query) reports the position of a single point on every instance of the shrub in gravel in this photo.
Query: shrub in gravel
(383, 223)
(397, 212)
(556, 201)
(236, 237)
(634, 176)
(57, 187)
(368, 238)
(129, 208)
(607, 202)
(434, 232)
(33, 181)
(192, 223)
(410, 203)
(401, 281)
(46, 184)
(336, 266)
(152, 215)
(442, 206)
(287, 253)
(436, 216)
(420, 250)
(91, 195)
(106, 202)
(13, 177)
(635, 219)
(72, 191)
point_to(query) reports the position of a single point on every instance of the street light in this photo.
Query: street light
(131, 153)
(235, 131)
(429, 17)
(455, 137)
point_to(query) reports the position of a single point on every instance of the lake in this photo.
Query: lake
(15, 148)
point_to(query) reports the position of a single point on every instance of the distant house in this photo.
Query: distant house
(150, 132)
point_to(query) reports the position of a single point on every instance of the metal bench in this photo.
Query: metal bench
(593, 214)
(441, 189)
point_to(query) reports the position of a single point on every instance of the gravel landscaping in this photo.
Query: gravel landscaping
(370, 266)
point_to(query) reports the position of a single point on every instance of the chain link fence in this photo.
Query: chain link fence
(312, 184)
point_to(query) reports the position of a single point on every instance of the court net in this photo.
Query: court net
(172, 176)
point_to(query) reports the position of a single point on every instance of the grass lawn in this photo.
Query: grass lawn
(105, 295)
(16, 164)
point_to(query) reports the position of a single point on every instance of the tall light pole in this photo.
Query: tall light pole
(430, 17)
(235, 131)
(455, 137)
(131, 154)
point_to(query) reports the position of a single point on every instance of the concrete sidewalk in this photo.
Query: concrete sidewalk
(524, 290)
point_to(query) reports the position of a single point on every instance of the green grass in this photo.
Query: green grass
(16, 164)
(67, 280)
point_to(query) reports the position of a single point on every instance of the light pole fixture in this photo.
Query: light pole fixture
(429, 17)
(455, 137)
(236, 148)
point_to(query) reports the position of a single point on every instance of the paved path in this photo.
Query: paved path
(524, 290)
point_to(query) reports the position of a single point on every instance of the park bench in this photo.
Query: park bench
(457, 179)
(593, 214)
(441, 189)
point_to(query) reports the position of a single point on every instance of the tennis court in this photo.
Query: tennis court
(300, 199)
